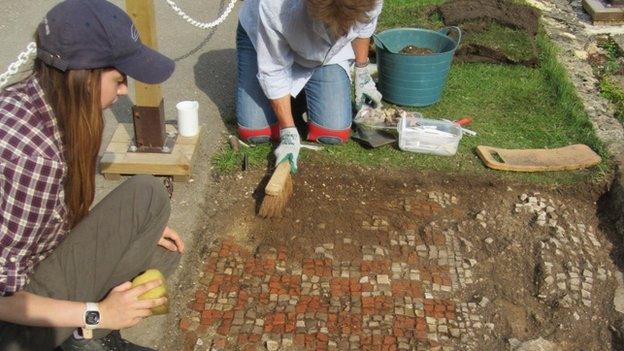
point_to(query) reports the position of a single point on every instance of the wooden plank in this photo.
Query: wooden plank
(602, 14)
(144, 18)
(117, 161)
(571, 157)
(111, 176)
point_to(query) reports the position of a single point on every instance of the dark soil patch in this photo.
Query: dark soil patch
(475, 16)
(505, 12)
(416, 51)
(482, 53)
(506, 251)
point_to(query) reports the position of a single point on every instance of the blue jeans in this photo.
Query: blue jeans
(328, 100)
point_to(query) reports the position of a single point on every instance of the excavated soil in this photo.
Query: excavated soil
(475, 16)
(416, 51)
(504, 12)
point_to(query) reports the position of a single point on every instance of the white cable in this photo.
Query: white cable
(198, 24)
(22, 58)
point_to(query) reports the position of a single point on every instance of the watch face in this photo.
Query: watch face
(92, 318)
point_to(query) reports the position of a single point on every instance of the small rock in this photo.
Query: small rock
(592, 49)
(484, 302)
(536, 345)
(383, 279)
(618, 298)
(568, 35)
(272, 345)
(583, 55)
(489, 240)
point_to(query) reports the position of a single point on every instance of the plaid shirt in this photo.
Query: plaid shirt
(32, 172)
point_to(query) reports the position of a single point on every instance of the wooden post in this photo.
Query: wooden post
(148, 112)
(175, 157)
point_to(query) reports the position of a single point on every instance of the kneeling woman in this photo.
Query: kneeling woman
(64, 267)
(285, 47)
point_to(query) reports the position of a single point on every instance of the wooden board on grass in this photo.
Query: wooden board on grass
(602, 14)
(117, 161)
(571, 157)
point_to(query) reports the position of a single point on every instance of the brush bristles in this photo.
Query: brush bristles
(273, 205)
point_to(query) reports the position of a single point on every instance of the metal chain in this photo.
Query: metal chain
(31, 49)
(211, 33)
(198, 24)
(22, 58)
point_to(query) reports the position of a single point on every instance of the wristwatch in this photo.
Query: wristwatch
(91, 319)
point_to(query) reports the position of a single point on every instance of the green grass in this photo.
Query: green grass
(408, 13)
(512, 107)
(609, 87)
(611, 91)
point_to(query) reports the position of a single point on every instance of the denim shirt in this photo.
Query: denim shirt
(290, 44)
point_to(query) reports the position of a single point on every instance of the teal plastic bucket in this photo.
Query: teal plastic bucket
(412, 80)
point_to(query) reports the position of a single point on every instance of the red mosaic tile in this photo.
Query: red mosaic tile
(259, 285)
(184, 324)
(219, 342)
(190, 339)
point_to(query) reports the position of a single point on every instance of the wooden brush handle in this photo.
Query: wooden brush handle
(278, 179)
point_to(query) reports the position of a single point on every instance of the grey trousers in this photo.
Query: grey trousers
(113, 244)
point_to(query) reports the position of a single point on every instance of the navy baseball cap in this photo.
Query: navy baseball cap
(90, 34)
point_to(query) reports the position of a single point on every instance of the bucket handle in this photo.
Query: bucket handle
(447, 31)
(379, 43)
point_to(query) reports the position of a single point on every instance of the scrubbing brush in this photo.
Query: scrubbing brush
(277, 192)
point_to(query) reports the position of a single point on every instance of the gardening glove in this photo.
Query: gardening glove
(365, 89)
(289, 147)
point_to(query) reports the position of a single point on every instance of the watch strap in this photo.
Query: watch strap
(87, 333)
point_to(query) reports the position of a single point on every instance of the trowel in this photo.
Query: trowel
(374, 137)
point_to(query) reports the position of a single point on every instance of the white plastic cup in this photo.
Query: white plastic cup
(188, 121)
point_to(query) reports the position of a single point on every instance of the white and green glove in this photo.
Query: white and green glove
(289, 147)
(365, 89)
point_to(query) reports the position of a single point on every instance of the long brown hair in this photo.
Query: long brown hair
(340, 15)
(74, 96)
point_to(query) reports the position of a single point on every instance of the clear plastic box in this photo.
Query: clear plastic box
(429, 136)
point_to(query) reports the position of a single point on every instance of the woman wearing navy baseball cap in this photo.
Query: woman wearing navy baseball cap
(65, 267)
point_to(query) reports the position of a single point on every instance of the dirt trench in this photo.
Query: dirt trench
(386, 259)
